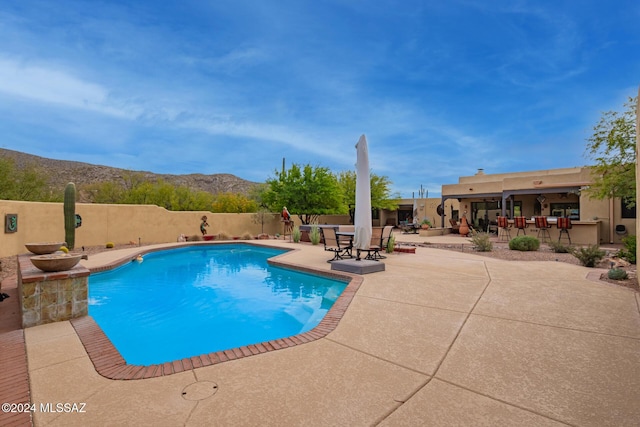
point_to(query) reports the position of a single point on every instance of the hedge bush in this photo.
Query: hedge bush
(524, 243)
(629, 251)
(617, 274)
(559, 247)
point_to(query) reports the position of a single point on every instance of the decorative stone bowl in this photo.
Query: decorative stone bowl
(55, 262)
(43, 248)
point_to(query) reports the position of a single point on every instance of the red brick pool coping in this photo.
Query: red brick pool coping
(109, 363)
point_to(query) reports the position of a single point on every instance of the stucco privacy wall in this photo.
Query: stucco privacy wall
(121, 224)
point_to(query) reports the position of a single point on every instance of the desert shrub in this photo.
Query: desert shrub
(617, 274)
(296, 234)
(109, 245)
(391, 244)
(481, 243)
(589, 256)
(222, 236)
(314, 235)
(524, 243)
(629, 251)
(559, 247)
(246, 236)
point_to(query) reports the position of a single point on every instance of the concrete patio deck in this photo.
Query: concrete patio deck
(439, 338)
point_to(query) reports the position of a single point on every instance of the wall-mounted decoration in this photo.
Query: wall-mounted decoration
(10, 223)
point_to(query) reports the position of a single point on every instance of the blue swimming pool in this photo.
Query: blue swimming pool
(200, 299)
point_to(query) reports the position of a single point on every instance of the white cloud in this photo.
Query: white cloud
(49, 85)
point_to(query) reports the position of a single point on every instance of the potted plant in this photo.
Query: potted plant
(425, 224)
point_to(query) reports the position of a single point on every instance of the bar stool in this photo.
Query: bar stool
(564, 225)
(520, 223)
(504, 228)
(543, 227)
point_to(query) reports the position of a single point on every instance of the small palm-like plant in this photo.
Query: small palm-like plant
(481, 243)
(589, 256)
(314, 235)
(391, 244)
(296, 234)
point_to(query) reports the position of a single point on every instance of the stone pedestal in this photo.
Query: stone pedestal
(51, 297)
(364, 266)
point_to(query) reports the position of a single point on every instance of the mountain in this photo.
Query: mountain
(60, 172)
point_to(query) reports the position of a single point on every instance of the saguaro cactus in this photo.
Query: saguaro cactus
(70, 214)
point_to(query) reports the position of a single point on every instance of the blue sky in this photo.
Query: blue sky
(202, 86)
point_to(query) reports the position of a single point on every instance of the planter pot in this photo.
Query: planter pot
(55, 262)
(464, 227)
(44, 247)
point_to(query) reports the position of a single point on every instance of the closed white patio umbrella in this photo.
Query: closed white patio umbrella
(362, 216)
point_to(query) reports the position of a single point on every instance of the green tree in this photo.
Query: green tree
(307, 192)
(186, 199)
(233, 203)
(27, 183)
(613, 148)
(381, 197)
(261, 216)
(105, 192)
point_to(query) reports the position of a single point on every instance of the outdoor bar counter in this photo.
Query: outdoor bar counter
(581, 232)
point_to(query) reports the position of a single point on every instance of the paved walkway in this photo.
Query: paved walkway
(439, 338)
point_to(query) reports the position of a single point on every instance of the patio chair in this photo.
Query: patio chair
(455, 227)
(504, 228)
(379, 240)
(373, 253)
(543, 228)
(387, 231)
(520, 223)
(333, 244)
(564, 225)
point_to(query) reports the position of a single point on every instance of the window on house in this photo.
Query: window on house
(517, 208)
(625, 211)
(566, 210)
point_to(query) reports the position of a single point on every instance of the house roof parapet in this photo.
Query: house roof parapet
(528, 182)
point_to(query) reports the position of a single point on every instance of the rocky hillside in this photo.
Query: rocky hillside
(60, 172)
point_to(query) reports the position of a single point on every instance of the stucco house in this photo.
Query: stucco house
(554, 193)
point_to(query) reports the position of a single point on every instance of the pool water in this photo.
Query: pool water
(195, 300)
